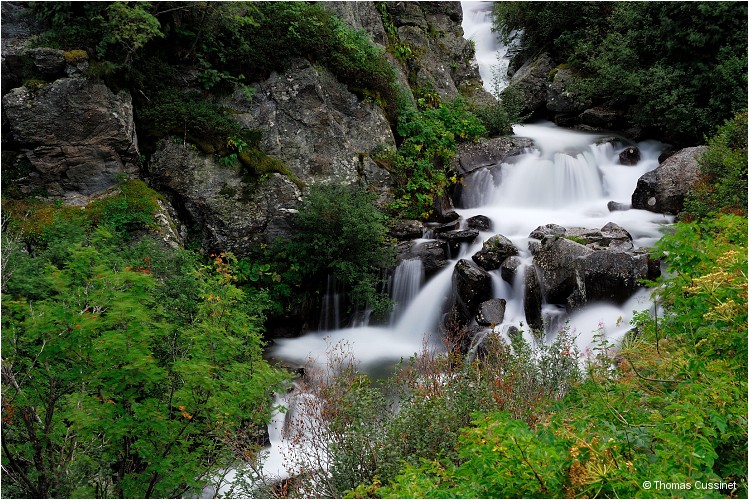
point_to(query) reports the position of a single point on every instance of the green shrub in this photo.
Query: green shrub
(722, 186)
(340, 232)
(421, 164)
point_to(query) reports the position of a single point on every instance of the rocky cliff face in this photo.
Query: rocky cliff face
(74, 138)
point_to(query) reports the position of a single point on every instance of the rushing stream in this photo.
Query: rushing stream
(567, 179)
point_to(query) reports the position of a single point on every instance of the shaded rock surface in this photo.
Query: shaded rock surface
(78, 136)
(471, 286)
(663, 190)
(231, 214)
(472, 156)
(319, 129)
(530, 81)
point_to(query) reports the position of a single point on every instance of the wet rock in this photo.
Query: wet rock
(614, 206)
(509, 269)
(663, 190)
(494, 251)
(472, 156)
(630, 156)
(407, 229)
(433, 254)
(555, 265)
(533, 300)
(491, 312)
(480, 222)
(471, 286)
(609, 276)
(548, 230)
(455, 238)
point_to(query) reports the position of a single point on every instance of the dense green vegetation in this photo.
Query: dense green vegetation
(129, 369)
(679, 70)
(132, 369)
(338, 233)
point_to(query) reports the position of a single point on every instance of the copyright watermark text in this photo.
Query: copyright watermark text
(697, 485)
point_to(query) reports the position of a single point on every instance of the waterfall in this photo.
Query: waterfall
(330, 309)
(491, 55)
(407, 280)
(567, 179)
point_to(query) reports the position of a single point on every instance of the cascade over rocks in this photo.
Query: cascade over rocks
(78, 136)
(494, 252)
(471, 286)
(433, 254)
(232, 214)
(575, 266)
(663, 190)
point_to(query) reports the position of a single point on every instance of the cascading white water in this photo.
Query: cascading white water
(407, 280)
(330, 312)
(491, 55)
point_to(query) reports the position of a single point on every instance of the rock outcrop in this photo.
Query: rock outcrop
(78, 136)
(530, 82)
(663, 190)
(320, 130)
(231, 213)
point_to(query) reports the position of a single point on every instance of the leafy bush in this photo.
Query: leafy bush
(421, 164)
(723, 170)
(340, 232)
(144, 362)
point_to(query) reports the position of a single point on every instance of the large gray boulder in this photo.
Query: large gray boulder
(77, 134)
(231, 213)
(559, 97)
(472, 156)
(471, 286)
(494, 251)
(320, 130)
(530, 82)
(610, 276)
(555, 265)
(663, 190)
